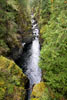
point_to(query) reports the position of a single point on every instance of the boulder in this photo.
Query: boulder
(12, 81)
(38, 91)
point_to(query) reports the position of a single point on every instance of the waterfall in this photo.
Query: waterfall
(30, 58)
(33, 71)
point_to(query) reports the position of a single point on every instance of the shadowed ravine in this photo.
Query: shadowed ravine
(30, 58)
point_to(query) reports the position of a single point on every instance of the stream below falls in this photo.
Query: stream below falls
(30, 58)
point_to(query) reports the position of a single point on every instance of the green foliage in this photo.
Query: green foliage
(12, 80)
(2, 93)
(54, 50)
(10, 88)
(3, 44)
(2, 30)
(3, 4)
(13, 21)
(45, 95)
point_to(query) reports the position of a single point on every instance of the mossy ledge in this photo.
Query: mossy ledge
(12, 81)
(42, 92)
(38, 91)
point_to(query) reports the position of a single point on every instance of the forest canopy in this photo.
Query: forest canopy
(15, 25)
(53, 28)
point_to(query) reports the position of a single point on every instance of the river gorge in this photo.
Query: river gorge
(29, 59)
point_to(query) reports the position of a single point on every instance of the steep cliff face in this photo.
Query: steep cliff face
(15, 27)
(12, 81)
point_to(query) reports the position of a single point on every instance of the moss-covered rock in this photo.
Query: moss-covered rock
(41, 92)
(38, 91)
(12, 81)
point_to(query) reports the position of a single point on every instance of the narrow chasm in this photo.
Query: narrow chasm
(29, 59)
(21, 62)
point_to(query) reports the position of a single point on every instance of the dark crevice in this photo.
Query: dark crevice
(21, 63)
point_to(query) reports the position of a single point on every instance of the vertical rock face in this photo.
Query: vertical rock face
(15, 27)
(12, 81)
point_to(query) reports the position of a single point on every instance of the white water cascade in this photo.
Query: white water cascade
(33, 71)
(30, 58)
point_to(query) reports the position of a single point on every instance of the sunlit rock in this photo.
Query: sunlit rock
(38, 91)
(12, 81)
